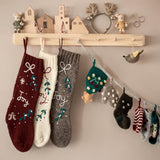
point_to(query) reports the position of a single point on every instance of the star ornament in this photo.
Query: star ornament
(87, 97)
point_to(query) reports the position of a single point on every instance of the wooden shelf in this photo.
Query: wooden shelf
(86, 39)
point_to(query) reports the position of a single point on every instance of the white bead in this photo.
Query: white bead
(99, 78)
(113, 101)
(104, 98)
(115, 105)
(108, 93)
(122, 101)
(123, 107)
(93, 90)
(88, 88)
(112, 90)
(93, 75)
(112, 95)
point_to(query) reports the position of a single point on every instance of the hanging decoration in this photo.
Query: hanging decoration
(144, 122)
(109, 94)
(155, 123)
(95, 81)
(121, 112)
(133, 57)
(138, 119)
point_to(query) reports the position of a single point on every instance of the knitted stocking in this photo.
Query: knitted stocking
(146, 124)
(68, 64)
(42, 123)
(121, 111)
(155, 122)
(138, 119)
(20, 114)
(109, 94)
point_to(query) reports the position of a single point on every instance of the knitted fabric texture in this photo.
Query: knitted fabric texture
(95, 79)
(145, 131)
(20, 114)
(42, 122)
(158, 138)
(155, 123)
(68, 65)
(109, 94)
(138, 119)
(121, 112)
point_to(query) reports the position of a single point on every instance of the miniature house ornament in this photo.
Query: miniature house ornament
(95, 81)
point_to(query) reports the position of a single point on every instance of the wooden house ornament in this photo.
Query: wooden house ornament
(29, 19)
(46, 23)
(78, 26)
(62, 23)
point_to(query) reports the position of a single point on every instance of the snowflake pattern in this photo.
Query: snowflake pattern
(22, 81)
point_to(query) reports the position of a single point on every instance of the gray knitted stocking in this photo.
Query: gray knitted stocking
(68, 64)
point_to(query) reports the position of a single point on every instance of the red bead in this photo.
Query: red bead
(95, 85)
(91, 83)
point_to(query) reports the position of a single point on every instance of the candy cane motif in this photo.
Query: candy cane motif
(11, 116)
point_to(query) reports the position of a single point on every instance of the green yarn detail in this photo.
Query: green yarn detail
(154, 117)
(95, 79)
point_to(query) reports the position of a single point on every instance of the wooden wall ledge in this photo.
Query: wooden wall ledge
(86, 39)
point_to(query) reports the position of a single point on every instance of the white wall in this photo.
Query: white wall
(95, 133)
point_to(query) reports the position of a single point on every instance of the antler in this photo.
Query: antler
(92, 10)
(110, 8)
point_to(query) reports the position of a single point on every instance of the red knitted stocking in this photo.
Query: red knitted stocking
(138, 119)
(20, 114)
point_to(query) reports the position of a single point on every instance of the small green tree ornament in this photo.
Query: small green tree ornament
(95, 81)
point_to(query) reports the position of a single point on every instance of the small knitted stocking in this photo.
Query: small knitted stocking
(42, 122)
(138, 119)
(121, 111)
(109, 94)
(155, 123)
(158, 138)
(146, 124)
(20, 114)
(68, 64)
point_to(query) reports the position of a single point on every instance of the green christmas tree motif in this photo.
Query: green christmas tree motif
(47, 89)
(67, 82)
(61, 114)
(95, 79)
(39, 116)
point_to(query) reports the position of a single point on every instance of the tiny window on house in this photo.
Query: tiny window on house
(29, 12)
(74, 23)
(80, 23)
(44, 24)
